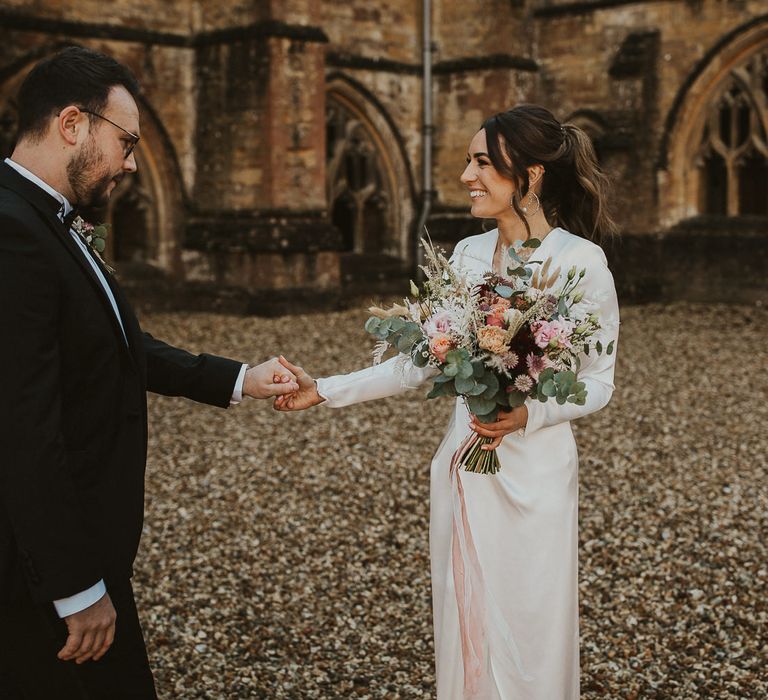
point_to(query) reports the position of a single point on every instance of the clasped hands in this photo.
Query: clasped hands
(307, 396)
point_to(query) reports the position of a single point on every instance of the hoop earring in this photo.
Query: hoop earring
(532, 196)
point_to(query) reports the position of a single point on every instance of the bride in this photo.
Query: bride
(504, 547)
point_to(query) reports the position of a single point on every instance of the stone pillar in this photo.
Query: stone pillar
(260, 219)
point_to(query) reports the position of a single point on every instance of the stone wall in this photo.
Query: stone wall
(234, 117)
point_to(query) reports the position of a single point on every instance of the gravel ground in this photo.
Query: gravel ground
(286, 556)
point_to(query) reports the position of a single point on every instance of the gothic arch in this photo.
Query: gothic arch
(147, 209)
(367, 172)
(593, 124)
(734, 74)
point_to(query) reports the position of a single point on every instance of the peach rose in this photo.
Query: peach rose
(440, 344)
(493, 339)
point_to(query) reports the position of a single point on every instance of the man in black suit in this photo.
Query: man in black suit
(74, 371)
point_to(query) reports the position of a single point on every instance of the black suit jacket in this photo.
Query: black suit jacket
(73, 416)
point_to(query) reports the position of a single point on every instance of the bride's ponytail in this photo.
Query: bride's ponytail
(584, 207)
(574, 189)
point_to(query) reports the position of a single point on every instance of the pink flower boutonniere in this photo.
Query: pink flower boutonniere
(95, 238)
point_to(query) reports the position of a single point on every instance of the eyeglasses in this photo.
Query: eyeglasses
(127, 147)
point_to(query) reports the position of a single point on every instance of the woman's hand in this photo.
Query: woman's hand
(506, 423)
(305, 397)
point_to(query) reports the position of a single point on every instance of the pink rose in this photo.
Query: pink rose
(559, 330)
(494, 321)
(439, 323)
(440, 344)
(543, 333)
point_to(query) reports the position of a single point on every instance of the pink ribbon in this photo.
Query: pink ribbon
(479, 614)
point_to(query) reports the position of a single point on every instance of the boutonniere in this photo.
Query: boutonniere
(95, 238)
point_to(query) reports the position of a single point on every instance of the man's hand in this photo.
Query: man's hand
(91, 632)
(305, 397)
(268, 379)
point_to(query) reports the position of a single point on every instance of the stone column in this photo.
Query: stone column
(260, 217)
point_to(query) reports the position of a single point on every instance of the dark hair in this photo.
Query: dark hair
(73, 76)
(574, 189)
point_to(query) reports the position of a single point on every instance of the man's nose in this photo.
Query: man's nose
(129, 164)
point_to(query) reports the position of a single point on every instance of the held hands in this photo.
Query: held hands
(269, 379)
(91, 632)
(305, 397)
(506, 423)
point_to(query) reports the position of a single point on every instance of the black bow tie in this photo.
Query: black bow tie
(69, 218)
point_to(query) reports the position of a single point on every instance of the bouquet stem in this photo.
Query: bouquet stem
(477, 460)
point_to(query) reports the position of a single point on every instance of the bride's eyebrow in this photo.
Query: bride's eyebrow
(480, 155)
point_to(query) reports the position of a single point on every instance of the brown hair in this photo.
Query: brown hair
(574, 189)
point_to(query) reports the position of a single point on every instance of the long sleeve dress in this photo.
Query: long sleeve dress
(521, 524)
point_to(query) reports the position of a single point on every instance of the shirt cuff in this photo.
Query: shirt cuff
(80, 601)
(237, 394)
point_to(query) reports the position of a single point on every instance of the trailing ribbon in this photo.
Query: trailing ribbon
(479, 614)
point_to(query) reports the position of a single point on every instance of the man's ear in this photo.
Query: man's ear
(69, 124)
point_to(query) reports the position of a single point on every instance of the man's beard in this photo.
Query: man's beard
(88, 179)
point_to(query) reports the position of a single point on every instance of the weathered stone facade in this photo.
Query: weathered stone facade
(281, 151)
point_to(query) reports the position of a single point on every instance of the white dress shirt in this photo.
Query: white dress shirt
(81, 601)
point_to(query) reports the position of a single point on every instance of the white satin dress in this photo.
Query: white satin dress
(520, 640)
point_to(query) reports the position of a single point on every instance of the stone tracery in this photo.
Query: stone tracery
(732, 158)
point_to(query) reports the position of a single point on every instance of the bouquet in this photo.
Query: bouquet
(495, 340)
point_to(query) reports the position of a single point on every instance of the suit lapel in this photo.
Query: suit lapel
(48, 209)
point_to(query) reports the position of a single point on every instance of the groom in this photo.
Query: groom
(74, 371)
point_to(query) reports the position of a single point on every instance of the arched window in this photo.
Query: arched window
(360, 191)
(732, 158)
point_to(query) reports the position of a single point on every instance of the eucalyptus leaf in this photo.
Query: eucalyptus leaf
(417, 357)
(478, 369)
(548, 388)
(562, 307)
(477, 390)
(441, 379)
(503, 291)
(464, 385)
(396, 324)
(547, 373)
(451, 370)
(99, 244)
(436, 391)
(465, 369)
(515, 399)
(480, 406)
(491, 381)
(372, 324)
(513, 254)
(404, 344)
(488, 417)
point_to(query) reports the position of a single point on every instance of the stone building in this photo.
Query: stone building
(282, 148)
